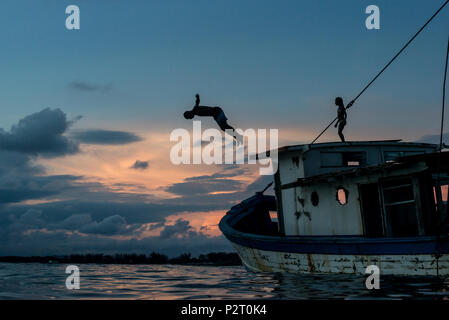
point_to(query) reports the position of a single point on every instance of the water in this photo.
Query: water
(47, 281)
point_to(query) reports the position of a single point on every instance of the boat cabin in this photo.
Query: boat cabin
(373, 189)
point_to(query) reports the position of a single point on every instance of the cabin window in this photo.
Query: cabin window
(371, 210)
(400, 207)
(354, 159)
(440, 195)
(314, 198)
(343, 159)
(331, 159)
(342, 196)
(443, 190)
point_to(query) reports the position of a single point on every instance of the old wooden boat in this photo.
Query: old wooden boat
(340, 207)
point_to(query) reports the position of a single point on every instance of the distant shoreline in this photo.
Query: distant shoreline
(209, 259)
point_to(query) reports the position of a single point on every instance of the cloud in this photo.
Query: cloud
(434, 138)
(40, 133)
(16, 187)
(90, 87)
(204, 186)
(140, 165)
(73, 215)
(260, 184)
(105, 137)
(74, 222)
(222, 174)
(181, 228)
(41, 242)
(220, 181)
(108, 226)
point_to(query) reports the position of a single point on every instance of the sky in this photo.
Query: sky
(86, 115)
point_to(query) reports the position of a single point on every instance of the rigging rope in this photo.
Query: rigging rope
(388, 64)
(439, 221)
(444, 96)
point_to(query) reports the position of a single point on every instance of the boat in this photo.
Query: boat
(339, 207)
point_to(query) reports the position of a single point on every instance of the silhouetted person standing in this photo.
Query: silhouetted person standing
(341, 116)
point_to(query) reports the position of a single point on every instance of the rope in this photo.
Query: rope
(444, 96)
(440, 223)
(388, 64)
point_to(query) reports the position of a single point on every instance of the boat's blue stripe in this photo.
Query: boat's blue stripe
(351, 245)
(284, 244)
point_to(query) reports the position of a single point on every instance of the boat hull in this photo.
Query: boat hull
(262, 250)
(275, 261)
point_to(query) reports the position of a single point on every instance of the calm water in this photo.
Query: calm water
(47, 281)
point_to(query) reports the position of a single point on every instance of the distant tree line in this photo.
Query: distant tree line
(213, 258)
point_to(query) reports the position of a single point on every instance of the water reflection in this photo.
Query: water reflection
(47, 281)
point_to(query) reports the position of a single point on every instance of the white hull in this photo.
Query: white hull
(271, 261)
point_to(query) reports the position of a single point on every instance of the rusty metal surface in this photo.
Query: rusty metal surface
(270, 261)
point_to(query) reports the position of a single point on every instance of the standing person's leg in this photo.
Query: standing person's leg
(341, 126)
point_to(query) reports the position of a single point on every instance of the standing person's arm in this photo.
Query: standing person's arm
(336, 123)
(338, 117)
(350, 104)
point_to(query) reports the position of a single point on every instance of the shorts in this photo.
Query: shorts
(221, 118)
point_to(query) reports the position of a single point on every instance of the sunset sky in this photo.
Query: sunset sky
(86, 114)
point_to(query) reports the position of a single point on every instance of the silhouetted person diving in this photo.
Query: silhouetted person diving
(215, 112)
(341, 116)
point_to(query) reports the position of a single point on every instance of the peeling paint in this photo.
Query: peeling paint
(271, 261)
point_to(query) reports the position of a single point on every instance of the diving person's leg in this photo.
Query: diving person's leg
(225, 126)
(222, 121)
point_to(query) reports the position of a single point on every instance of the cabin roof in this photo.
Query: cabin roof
(430, 159)
(435, 159)
(358, 144)
(359, 171)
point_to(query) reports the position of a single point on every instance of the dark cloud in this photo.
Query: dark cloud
(222, 174)
(157, 225)
(181, 228)
(105, 137)
(90, 87)
(32, 233)
(40, 133)
(140, 165)
(260, 184)
(74, 222)
(108, 226)
(100, 205)
(42, 242)
(204, 187)
(20, 187)
(77, 216)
